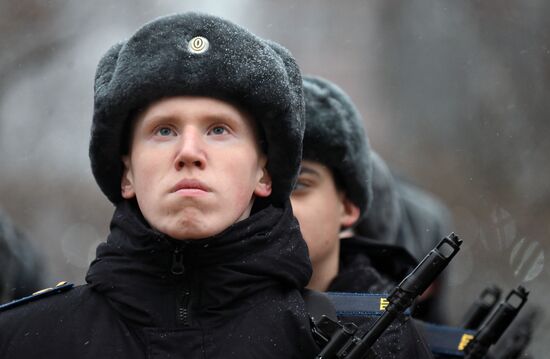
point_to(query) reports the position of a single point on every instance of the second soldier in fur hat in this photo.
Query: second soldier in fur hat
(196, 140)
(333, 192)
(334, 188)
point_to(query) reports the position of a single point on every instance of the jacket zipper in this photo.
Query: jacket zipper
(183, 293)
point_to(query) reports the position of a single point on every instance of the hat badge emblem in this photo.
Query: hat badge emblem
(198, 45)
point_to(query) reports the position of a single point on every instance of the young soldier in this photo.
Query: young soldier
(196, 139)
(333, 191)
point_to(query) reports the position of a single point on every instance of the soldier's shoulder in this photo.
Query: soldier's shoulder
(47, 321)
(63, 296)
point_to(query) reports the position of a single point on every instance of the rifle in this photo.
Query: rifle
(491, 331)
(339, 340)
(481, 308)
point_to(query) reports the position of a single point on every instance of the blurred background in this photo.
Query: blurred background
(455, 96)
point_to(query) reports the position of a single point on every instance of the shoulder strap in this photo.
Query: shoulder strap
(443, 340)
(359, 304)
(59, 288)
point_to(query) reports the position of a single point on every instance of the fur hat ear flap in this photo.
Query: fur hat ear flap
(294, 128)
(106, 68)
(293, 74)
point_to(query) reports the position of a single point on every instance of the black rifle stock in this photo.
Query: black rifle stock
(340, 340)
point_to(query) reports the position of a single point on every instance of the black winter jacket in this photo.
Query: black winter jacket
(235, 295)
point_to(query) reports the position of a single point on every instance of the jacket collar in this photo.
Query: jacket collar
(134, 269)
(370, 266)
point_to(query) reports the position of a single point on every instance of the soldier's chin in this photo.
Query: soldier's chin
(195, 223)
(192, 231)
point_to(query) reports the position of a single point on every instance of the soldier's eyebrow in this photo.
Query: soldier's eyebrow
(307, 170)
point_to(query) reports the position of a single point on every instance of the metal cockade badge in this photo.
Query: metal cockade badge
(198, 45)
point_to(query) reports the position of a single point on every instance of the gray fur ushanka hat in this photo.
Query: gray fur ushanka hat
(335, 136)
(198, 55)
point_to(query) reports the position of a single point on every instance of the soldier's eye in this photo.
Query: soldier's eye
(165, 131)
(300, 184)
(218, 130)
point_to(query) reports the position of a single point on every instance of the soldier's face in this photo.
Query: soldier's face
(194, 166)
(322, 210)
